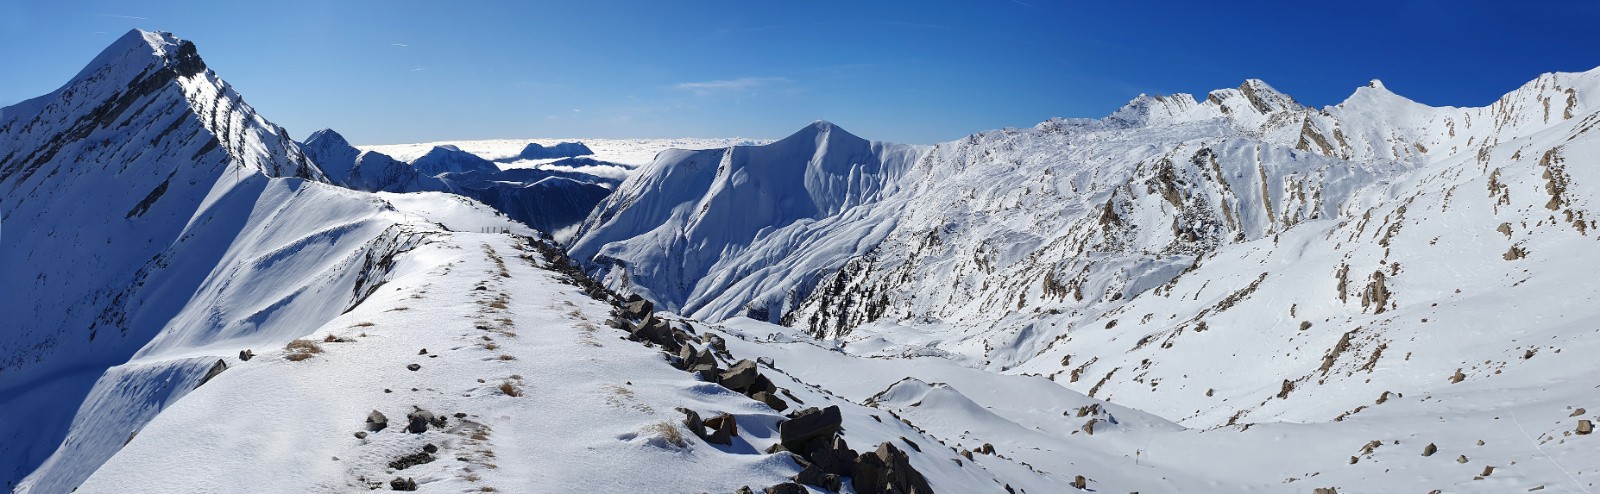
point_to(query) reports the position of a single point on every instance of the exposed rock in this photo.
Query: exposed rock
(1429, 450)
(1585, 427)
(419, 420)
(215, 369)
(376, 421)
(807, 424)
(740, 375)
(744, 490)
(1579, 412)
(814, 475)
(692, 420)
(1457, 377)
(887, 470)
(414, 367)
(723, 428)
(1080, 482)
(411, 460)
(638, 308)
(771, 400)
(986, 449)
(245, 355)
(361, 434)
(1325, 490)
(831, 454)
(786, 488)
(1461, 459)
(403, 484)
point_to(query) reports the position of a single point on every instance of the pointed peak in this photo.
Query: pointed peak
(1376, 84)
(327, 136)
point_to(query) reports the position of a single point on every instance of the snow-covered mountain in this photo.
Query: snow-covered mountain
(1221, 262)
(1234, 293)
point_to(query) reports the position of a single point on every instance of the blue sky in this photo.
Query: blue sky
(921, 72)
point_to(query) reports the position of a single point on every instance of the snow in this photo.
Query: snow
(1233, 293)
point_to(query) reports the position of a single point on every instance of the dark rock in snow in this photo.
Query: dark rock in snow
(740, 375)
(403, 484)
(245, 355)
(215, 369)
(723, 428)
(419, 420)
(376, 421)
(814, 475)
(807, 424)
(786, 488)
(771, 400)
(414, 367)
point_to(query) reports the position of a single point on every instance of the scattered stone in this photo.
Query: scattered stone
(744, 490)
(403, 484)
(1354, 459)
(807, 424)
(1429, 450)
(1457, 377)
(723, 428)
(1461, 459)
(786, 488)
(419, 420)
(215, 369)
(422, 352)
(692, 420)
(1585, 427)
(411, 460)
(461, 415)
(768, 362)
(246, 355)
(740, 375)
(637, 308)
(376, 421)
(361, 434)
(771, 400)
(966, 453)
(1486, 471)
(414, 367)
(1325, 490)
(1080, 482)
(430, 448)
(1304, 325)
(1580, 411)
(814, 475)
(887, 470)
(986, 449)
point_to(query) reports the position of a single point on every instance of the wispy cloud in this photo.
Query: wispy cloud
(120, 16)
(722, 86)
(402, 45)
(419, 69)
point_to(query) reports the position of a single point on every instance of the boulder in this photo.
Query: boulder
(723, 428)
(418, 421)
(1429, 450)
(414, 367)
(1585, 427)
(814, 475)
(902, 477)
(869, 474)
(1080, 482)
(638, 308)
(740, 376)
(762, 385)
(376, 421)
(771, 400)
(1325, 490)
(786, 488)
(692, 420)
(744, 490)
(246, 355)
(807, 424)
(403, 484)
(215, 369)
(831, 454)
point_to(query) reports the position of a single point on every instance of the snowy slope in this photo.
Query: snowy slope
(1231, 262)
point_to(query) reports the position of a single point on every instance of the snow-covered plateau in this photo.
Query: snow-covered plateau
(1228, 293)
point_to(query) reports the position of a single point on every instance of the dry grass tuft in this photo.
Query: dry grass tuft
(667, 431)
(510, 389)
(301, 350)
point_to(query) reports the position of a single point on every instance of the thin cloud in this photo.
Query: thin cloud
(402, 45)
(419, 69)
(740, 85)
(120, 16)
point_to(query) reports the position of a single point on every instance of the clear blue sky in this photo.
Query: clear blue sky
(914, 71)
